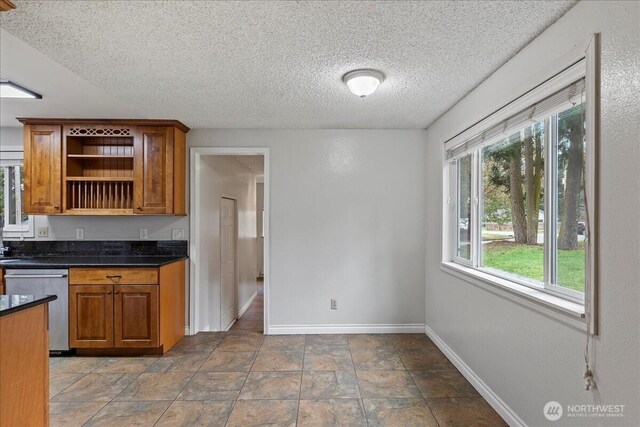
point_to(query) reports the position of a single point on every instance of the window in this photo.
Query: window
(513, 204)
(463, 203)
(518, 192)
(13, 221)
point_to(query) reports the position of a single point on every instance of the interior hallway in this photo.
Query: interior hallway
(252, 320)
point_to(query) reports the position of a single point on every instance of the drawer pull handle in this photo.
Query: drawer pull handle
(114, 276)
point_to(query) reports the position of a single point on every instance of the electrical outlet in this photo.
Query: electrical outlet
(334, 304)
(43, 231)
(177, 234)
(144, 234)
(79, 233)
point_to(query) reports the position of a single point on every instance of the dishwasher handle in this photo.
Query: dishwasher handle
(34, 276)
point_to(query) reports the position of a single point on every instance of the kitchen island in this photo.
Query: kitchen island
(24, 360)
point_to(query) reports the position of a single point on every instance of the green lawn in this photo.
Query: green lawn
(528, 261)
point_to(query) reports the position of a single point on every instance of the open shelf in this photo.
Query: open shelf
(99, 194)
(78, 211)
(100, 178)
(99, 175)
(99, 156)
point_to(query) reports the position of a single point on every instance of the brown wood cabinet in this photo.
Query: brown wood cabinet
(42, 169)
(108, 310)
(24, 368)
(104, 167)
(91, 316)
(136, 316)
(153, 164)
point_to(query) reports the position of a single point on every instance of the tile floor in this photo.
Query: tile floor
(242, 378)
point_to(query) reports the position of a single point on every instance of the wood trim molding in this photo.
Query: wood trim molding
(118, 122)
(6, 5)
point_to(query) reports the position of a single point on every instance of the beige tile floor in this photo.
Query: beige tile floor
(242, 378)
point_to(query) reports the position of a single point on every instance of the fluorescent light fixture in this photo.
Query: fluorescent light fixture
(363, 82)
(12, 90)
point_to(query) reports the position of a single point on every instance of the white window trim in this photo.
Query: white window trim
(561, 309)
(11, 231)
(556, 303)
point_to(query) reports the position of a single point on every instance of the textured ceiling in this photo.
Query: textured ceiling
(65, 93)
(274, 64)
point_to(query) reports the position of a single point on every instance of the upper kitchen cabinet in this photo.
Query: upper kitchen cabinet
(42, 169)
(105, 167)
(154, 170)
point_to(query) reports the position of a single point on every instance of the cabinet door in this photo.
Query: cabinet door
(91, 316)
(153, 170)
(42, 169)
(136, 316)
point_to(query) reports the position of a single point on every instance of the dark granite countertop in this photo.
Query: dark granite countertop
(13, 303)
(67, 261)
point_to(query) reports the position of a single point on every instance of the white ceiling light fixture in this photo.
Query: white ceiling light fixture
(12, 90)
(363, 82)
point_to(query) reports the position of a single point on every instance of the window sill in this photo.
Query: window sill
(568, 312)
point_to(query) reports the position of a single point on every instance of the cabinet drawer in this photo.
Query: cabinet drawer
(111, 276)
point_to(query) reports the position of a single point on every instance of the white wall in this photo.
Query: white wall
(347, 222)
(526, 358)
(10, 139)
(259, 238)
(223, 175)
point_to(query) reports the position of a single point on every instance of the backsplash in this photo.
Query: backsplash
(97, 248)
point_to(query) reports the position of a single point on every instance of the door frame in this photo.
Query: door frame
(195, 224)
(236, 257)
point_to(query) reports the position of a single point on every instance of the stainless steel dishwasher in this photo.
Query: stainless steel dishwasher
(46, 282)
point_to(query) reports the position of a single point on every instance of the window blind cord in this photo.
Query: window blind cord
(588, 373)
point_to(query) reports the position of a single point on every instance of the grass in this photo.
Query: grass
(528, 261)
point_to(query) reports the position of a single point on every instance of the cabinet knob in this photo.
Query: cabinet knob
(116, 292)
(108, 292)
(56, 207)
(139, 208)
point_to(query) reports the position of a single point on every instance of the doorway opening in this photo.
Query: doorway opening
(229, 231)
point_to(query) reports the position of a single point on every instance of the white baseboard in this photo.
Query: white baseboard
(492, 398)
(231, 325)
(187, 330)
(246, 306)
(347, 329)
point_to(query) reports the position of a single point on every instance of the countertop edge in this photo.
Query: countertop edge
(43, 300)
(69, 263)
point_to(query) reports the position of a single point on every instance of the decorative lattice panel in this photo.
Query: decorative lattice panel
(100, 132)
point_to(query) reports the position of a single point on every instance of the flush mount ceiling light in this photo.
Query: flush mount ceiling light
(12, 90)
(363, 82)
